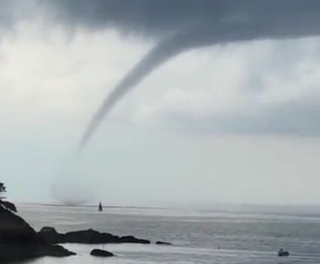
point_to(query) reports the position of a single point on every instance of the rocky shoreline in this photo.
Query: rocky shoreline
(19, 241)
(90, 236)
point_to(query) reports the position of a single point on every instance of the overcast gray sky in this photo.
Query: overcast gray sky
(231, 123)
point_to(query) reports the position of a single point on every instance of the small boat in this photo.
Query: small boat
(100, 207)
(283, 253)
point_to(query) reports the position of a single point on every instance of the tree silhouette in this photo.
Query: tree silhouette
(2, 188)
(5, 204)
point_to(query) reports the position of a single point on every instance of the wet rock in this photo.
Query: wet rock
(89, 236)
(163, 243)
(101, 253)
(133, 240)
(20, 251)
(55, 251)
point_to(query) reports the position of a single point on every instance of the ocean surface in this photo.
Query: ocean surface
(198, 237)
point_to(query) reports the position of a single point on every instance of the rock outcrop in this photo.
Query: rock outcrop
(21, 251)
(13, 228)
(101, 253)
(163, 243)
(90, 236)
(50, 235)
(19, 241)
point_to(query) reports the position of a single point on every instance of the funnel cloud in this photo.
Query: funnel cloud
(183, 25)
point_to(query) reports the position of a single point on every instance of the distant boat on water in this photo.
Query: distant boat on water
(283, 253)
(100, 207)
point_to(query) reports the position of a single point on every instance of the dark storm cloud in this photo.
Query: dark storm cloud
(148, 18)
(181, 25)
(158, 17)
(7, 13)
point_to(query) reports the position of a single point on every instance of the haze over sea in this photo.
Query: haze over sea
(225, 235)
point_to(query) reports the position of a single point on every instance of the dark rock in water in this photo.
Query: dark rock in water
(55, 251)
(133, 240)
(101, 253)
(89, 236)
(19, 241)
(19, 252)
(163, 243)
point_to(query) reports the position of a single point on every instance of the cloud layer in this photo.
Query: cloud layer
(211, 23)
(257, 87)
(158, 18)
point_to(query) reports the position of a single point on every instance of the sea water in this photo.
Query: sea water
(197, 236)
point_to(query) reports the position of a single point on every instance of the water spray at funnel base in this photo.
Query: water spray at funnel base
(73, 187)
(71, 193)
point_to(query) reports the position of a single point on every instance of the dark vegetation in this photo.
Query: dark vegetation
(5, 204)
